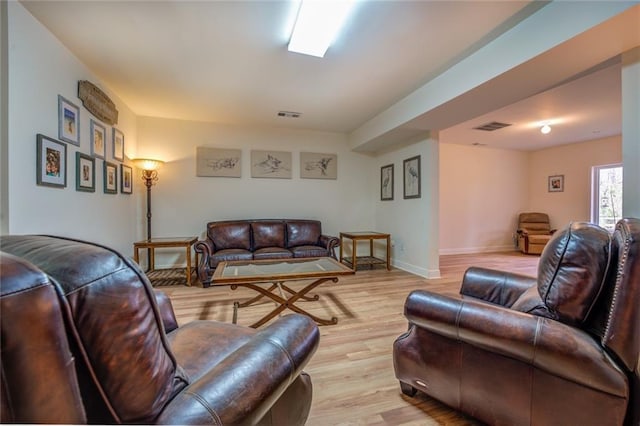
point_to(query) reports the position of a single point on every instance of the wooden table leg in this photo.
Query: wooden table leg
(152, 259)
(354, 245)
(283, 303)
(189, 265)
(388, 253)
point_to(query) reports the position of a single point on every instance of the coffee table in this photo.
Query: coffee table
(268, 277)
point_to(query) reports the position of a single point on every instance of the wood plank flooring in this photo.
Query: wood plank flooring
(352, 370)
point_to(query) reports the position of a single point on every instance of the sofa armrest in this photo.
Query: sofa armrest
(166, 311)
(549, 345)
(205, 249)
(242, 388)
(499, 287)
(330, 243)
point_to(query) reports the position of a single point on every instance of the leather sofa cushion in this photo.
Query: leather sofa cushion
(272, 253)
(268, 234)
(309, 251)
(230, 235)
(230, 255)
(531, 303)
(539, 239)
(572, 270)
(303, 233)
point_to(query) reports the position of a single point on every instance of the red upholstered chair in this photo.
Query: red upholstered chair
(534, 232)
(559, 349)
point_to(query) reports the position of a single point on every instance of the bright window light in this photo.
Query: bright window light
(317, 25)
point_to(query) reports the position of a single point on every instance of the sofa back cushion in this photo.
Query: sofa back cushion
(127, 372)
(39, 381)
(230, 235)
(572, 270)
(303, 232)
(268, 234)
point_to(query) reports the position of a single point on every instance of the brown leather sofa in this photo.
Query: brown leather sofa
(559, 349)
(534, 232)
(86, 339)
(260, 239)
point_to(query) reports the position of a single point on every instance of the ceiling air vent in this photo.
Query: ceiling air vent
(490, 127)
(289, 114)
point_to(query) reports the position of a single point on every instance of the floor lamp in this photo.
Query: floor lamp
(149, 169)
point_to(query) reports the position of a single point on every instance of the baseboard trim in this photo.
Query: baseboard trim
(417, 270)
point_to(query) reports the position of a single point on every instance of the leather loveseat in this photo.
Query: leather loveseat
(86, 339)
(260, 239)
(559, 349)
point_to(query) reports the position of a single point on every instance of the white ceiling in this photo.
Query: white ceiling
(227, 62)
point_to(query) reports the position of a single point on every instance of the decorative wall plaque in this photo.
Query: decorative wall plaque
(97, 102)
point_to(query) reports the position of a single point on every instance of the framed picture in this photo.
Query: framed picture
(318, 166)
(85, 173)
(98, 139)
(271, 164)
(68, 121)
(218, 162)
(118, 145)
(556, 183)
(126, 179)
(411, 172)
(51, 167)
(110, 178)
(386, 182)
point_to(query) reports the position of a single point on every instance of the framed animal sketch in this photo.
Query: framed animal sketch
(386, 182)
(271, 164)
(318, 166)
(411, 172)
(218, 162)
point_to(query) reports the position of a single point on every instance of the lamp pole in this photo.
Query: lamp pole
(150, 176)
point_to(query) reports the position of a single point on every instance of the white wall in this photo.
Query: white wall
(575, 162)
(482, 190)
(40, 68)
(415, 245)
(183, 203)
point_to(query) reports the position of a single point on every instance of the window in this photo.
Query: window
(606, 200)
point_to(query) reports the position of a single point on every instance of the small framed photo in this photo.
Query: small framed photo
(68, 121)
(126, 179)
(51, 167)
(110, 178)
(118, 145)
(85, 173)
(411, 172)
(98, 139)
(318, 166)
(556, 183)
(386, 182)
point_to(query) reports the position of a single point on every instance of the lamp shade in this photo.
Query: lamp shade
(147, 163)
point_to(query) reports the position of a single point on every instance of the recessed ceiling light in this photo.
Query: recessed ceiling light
(545, 129)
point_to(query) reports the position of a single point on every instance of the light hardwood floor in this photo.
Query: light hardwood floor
(352, 370)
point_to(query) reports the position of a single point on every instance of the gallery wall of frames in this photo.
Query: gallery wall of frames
(101, 151)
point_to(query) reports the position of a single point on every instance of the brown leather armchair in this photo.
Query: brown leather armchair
(559, 349)
(86, 339)
(534, 232)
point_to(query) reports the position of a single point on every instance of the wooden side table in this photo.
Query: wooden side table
(365, 260)
(154, 243)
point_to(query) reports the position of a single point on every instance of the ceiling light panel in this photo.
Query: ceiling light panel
(317, 25)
